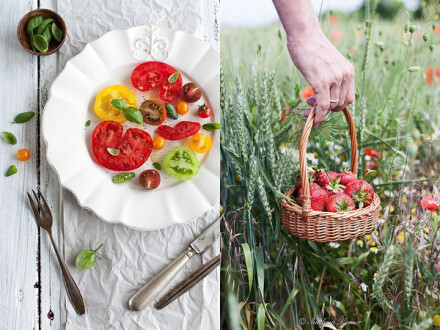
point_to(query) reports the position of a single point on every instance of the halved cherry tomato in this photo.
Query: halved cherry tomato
(158, 143)
(153, 112)
(204, 111)
(182, 108)
(149, 75)
(181, 162)
(191, 93)
(200, 143)
(134, 147)
(149, 179)
(23, 155)
(103, 108)
(182, 130)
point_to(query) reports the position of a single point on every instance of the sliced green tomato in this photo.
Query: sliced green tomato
(181, 162)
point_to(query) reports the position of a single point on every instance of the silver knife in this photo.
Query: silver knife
(153, 288)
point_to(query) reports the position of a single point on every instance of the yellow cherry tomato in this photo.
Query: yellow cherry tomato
(105, 110)
(182, 108)
(200, 143)
(23, 155)
(158, 143)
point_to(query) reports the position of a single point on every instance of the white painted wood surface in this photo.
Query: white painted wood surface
(26, 257)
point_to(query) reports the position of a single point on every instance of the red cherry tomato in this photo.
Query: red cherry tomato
(149, 179)
(182, 130)
(133, 148)
(191, 93)
(204, 111)
(153, 112)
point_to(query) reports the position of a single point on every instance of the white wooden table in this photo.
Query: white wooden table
(30, 280)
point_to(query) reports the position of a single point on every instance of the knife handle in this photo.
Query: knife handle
(155, 286)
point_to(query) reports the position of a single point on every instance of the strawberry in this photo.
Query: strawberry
(318, 198)
(334, 187)
(361, 192)
(298, 184)
(323, 178)
(339, 202)
(346, 177)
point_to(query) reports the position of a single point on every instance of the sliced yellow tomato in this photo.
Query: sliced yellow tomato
(200, 143)
(105, 110)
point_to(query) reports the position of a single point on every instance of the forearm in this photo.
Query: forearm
(298, 18)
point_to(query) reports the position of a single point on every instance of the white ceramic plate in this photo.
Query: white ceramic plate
(110, 60)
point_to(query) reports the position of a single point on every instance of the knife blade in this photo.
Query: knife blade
(155, 286)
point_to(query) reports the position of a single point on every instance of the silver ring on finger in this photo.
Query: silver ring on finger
(334, 101)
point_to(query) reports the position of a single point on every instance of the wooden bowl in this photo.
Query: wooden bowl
(23, 37)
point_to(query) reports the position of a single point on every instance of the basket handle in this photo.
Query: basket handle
(306, 209)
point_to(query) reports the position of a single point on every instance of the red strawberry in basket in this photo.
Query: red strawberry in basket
(334, 187)
(298, 183)
(323, 178)
(361, 192)
(346, 177)
(318, 198)
(339, 203)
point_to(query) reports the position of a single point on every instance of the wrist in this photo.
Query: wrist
(303, 30)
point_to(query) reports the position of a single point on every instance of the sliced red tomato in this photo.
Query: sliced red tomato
(133, 148)
(149, 75)
(182, 130)
(149, 179)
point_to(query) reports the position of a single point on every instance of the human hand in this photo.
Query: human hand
(329, 73)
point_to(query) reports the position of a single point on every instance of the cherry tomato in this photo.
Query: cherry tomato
(23, 155)
(182, 108)
(153, 112)
(182, 130)
(149, 179)
(204, 111)
(191, 93)
(200, 143)
(134, 147)
(105, 110)
(181, 162)
(158, 143)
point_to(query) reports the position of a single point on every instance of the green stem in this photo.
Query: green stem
(97, 249)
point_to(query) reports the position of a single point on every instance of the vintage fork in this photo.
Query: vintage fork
(43, 217)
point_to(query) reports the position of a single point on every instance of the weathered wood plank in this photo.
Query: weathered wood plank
(18, 234)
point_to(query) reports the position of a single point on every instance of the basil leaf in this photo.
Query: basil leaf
(57, 33)
(23, 117)
(157, 166)
(133, 115)
(123, 177)
(40, 43)
(211, 126)
(33, 23)
(87, 124)
(11, 170)
(43, 25)
(113, 152)
(173, 78)
(119, 104)
(47, 34)
(9, 138)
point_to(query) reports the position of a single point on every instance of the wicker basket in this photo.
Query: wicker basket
(318, 226)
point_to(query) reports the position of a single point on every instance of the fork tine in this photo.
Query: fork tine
(40, 207)
(34, 208)
(46, 206)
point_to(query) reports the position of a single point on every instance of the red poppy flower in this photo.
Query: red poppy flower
(371, 165)
(437, 267)
(307, 92)
(372, 153)
(430, 203)
(437, 29)
(336, 36)
(333, 19)
(430, 78)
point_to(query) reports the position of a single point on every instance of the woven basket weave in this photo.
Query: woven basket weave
(318, 226)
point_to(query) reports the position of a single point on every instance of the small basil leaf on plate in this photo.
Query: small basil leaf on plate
(40, 43)
(47, 34)
(11, 170)
(119, 104)
(9, 138)
(33, 23)
(43, 25)
(133, 115)
(173, 78)
(123, 177)
(157, 166)
(113, 152)
(87, 124)
(211, 126)
(23, 117)
(57, 32)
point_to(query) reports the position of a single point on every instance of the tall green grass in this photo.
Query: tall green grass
(388, 279)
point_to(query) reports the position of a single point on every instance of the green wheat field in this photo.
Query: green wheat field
(389, 279)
